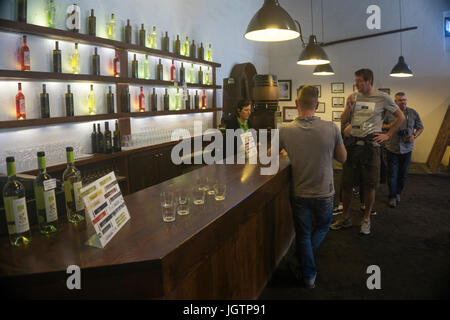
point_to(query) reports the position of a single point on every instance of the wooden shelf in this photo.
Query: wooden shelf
(58, 34)
(169, 112)
(54, 76)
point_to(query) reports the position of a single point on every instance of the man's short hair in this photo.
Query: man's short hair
(366, 74)
(400, 94)
(307, 97)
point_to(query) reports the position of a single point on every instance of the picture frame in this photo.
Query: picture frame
(385, 90)
(289, 113)
(285, 87)
(337, 87)
(337, 102)
(337, 115)
(321, 107)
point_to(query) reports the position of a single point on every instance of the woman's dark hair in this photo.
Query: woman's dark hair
(243, 103)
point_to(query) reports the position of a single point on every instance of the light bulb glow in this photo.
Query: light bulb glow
(272, 35)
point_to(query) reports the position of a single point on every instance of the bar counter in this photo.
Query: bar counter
(222, 250)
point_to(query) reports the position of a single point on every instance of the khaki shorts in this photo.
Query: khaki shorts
(362, 167)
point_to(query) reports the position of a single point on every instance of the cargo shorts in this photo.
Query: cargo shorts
(362, 166)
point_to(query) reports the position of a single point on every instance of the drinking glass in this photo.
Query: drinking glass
(167, 207)
(198, 196)
(220, 191)
(182, 199)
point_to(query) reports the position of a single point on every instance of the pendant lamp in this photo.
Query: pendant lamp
(323, 70)
(401, 69)
(271, 23)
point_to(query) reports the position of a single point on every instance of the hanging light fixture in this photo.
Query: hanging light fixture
(323, 69)
(401, 69)
(271, 23)
(313, 54)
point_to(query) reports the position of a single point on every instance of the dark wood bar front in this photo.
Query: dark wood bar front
(221, 250)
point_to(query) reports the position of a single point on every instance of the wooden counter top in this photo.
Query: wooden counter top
(148, 258)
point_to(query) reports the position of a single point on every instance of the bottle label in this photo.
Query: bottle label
(19, 207)
(78, 201)
(26, 58)
(118, 66)
(22, 106)
(50, 205)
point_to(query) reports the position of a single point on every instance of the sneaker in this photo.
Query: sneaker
(365, 227)
(393, 202)
(337, 211)
(373, 212)
(341, 223)
(397, 197)
(309, 283)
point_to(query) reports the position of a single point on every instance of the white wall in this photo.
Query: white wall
(428, 91)
(216, 22)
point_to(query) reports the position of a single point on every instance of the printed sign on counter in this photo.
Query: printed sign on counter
(105, 209)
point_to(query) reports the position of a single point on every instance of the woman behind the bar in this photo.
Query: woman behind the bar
(242, 118)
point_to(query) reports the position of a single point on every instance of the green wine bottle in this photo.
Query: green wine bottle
(107, 138)
(201, 52)
(182, 78)
(134, 68)
(94, 138)
(15, 207)
(44, 192)
(100, 144)
(196, 100)
(159, 71)
(45, 107)
(69, 102)
(177, 46)
(165, 43)
(142, 38)
(72, 185)
(154, 101)
(128, 32)
(22, 11)
(110, 101)
(126, 100)
(193, 51)
(200, 76)
(166, 101)
(92, 24)
(116, 139)
(95, 63)
(188, 101)
(57, 59)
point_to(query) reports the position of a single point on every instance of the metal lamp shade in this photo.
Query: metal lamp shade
(323, 70)
(401, 69)
(313, 54)
(271, 23)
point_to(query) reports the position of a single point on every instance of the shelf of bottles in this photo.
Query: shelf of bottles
(181, 74)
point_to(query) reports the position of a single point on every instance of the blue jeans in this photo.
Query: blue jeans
(398, 166)
(307, 237)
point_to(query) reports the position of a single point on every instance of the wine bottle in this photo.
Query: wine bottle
(186, 47)
(128, 32)
(45, 108)
(72, 184)
(51, 14)
(193, 50)
(111, 29)
(15, 207)
(196, 100)
(146, 68)
(192, 74)
(100, 140)
(94, 137)
(153, 39)
(24, 54)
(177, 46)
(182, 78)
(159, 71)
(142, 101)
(116, 139)
(91, 102)
(95, 63)
(134, 68)
(69, 102)
(44, 192)
(207, 77)
(204, 100)
(92, 24)
(107, 137)
(22, 11)
(178, 100)
(56, 58)
(116, 65)
(200, 76)
(20, 104)
(165, 43)
(166, 101)
(188, 101)
(173, 72)
(110, 101)
(142, 38)
(172, 102)
(209, 53)
(126, 100)
(154, 101)
(201, 52)
(76, 60)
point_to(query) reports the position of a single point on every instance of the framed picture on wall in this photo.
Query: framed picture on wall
(289, 113)
(285, 90)
(337, 87)
(337, 102)
(385, 90)
(337, 115)
(321, 107)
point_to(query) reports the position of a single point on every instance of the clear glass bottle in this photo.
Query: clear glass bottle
(178, 100)
(111, 29)
(91, 102)
(186, 47)
(192, 74)
(153, 39)
(76, 61)
(20, 104)
(72, 185)
(15, 207)
(24, 55)
(146, 68)
(209, 53)
(44, 191)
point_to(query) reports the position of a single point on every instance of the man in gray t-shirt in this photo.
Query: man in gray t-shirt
(311, 145)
